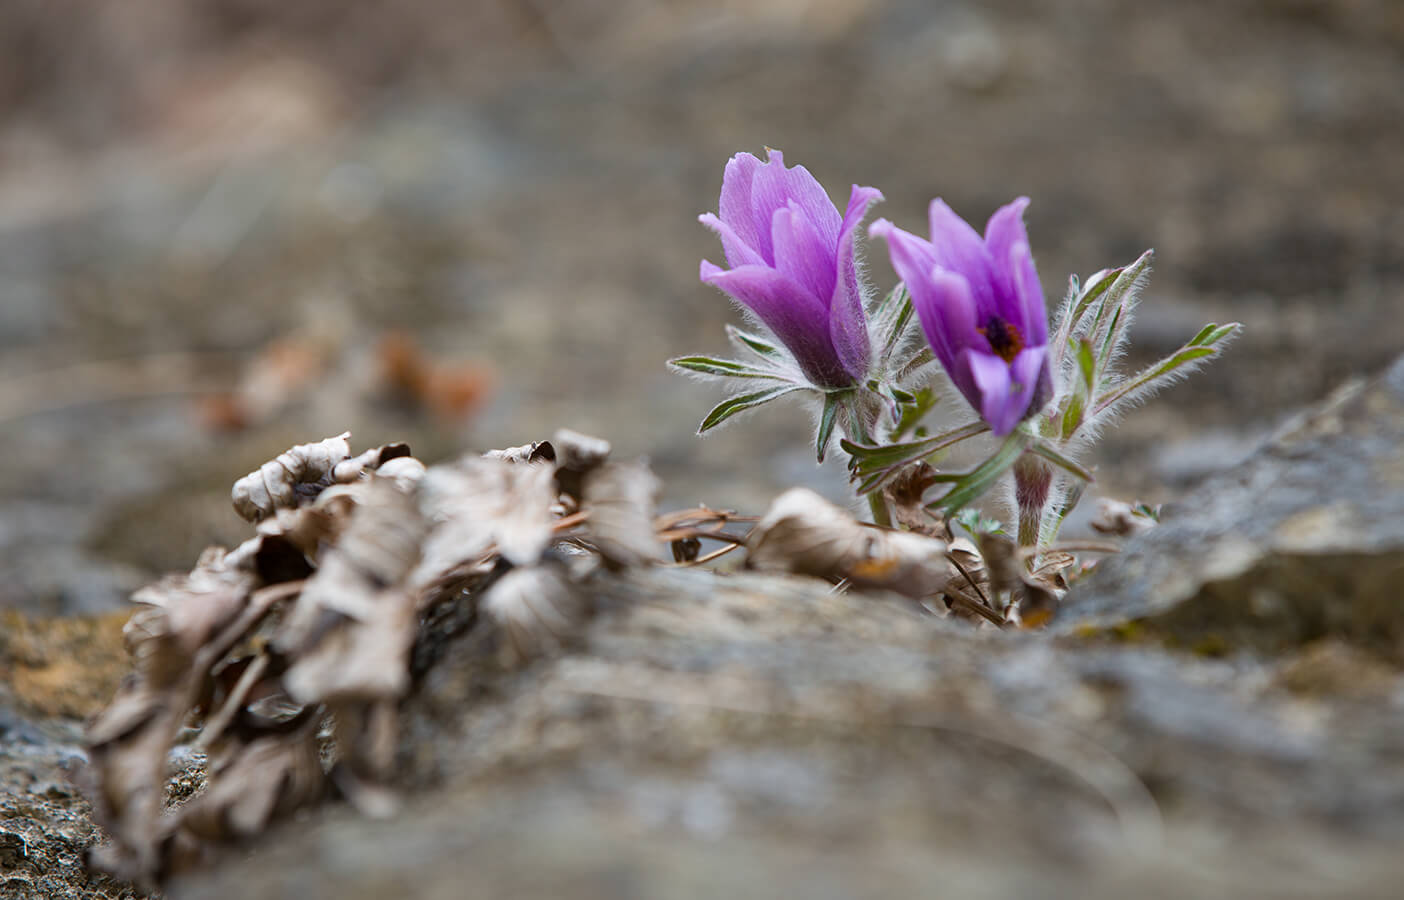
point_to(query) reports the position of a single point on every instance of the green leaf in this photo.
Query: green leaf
(912, 411)
(722, 368)
(1108, 281)
(1071, 498)
(888, 301)
(976, 522)
(1147, 378)
(733, 405)
(1073, 414)
(983, 477)
(744, 339)
(1211, 334)
(1049, 453)
(1113, 312)
(827, 419)
(901, 317)
(919, 358)
(1086, 364)
(876, 464)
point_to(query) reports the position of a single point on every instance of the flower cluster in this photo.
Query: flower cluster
(971, 303)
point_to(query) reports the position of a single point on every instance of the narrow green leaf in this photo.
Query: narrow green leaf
(744, 339)
(901, 317)
(1071, 498)
(723, 368)
(1148, 377)
(1203, 335)
(827, 419)
(1086, 364)
(984, 476)
(1211, 334)
(1108, 349)
(1073, 414)
(888, 301)
(921, 357)
(869, 458)
(733, 405)
(900, 395)
(1049, 453)
(1075, 308)
(1113, 312)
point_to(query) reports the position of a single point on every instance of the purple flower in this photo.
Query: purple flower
(981, 306)
(792, 265)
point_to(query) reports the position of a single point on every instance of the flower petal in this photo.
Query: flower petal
(1002, 232)
(773, 187)
(1000, 405)
(802, 254)
(738, 252)
(798, 318)
(1031, 315)
(735, 205)
(1030, 372)
(848, 325)
(959, 248)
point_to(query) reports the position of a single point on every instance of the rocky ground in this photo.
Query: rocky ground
(250, 214)
(1217, 710)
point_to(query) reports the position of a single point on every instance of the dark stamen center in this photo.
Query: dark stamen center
(1005, 340)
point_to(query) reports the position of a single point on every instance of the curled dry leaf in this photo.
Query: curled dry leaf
(538, 609)
(1116, 517)
(620, 499)
(378, 549)
(806, 534)
(349, 470)
(180, 613)
(299, 472)
(362, 659)
(535, 452)
(576, 455)
(904, 495)
(476, 505)
(1033, 598)
(253, 784)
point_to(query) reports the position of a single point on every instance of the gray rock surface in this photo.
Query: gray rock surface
(1304, 540)
(734, 733)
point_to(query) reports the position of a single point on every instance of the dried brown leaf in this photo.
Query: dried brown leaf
(358, 659)
(179, 614)
(476, 505)
(378, 549)
(805, 534)
(905, 499)
(356, 467)
(620, 499)
(1119, 518)
(294, 476)
(535, 452)
(254, 784)
(538, 610)
(576, 455)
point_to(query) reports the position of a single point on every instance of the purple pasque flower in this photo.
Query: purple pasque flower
(792, 264)
(981, 306)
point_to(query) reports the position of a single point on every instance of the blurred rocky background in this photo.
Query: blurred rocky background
(232, 225)
(228, 226)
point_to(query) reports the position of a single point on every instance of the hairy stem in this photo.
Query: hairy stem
(1033, 482)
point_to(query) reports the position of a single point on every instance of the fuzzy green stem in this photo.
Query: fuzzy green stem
(1033, 482)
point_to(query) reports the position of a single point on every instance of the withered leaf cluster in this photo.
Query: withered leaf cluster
(286, 658)
(988, 580)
